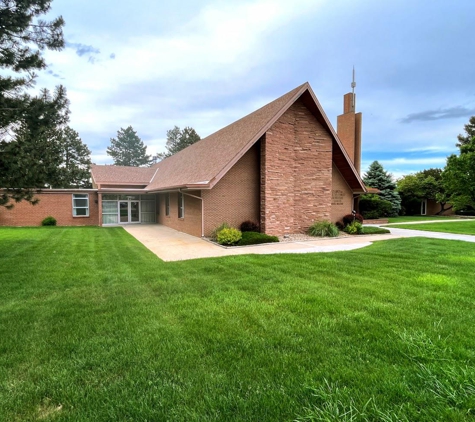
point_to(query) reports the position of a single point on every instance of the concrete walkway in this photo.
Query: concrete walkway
(172, 245)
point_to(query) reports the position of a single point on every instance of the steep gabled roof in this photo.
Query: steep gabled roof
(122, 175)
(204, 163)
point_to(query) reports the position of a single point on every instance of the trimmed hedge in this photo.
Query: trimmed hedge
(255, 238)
(372, 206)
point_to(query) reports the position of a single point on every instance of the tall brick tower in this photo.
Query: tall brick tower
(349, 127)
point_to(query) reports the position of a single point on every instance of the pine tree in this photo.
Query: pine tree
(75, 166)
(177, 140)
(128, 149)
(377, 177)
(25, 119)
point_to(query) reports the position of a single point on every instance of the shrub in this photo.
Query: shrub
(228, 236)
(249, 226)
(369, 215)
(214, 233)
(349, 218)
(372, 206)
(354, 227)
(323, 228)
(49, 221)
(340, 225)
(255, 238)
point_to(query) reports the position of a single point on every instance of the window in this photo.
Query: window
(181, 205)
(424, 207)
(167, 204)
(80, 205)
(109, 212)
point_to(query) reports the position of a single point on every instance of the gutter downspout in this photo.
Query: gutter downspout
(202, 210)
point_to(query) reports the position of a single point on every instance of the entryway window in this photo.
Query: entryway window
(126, 209)
(80, 205)
(424, 207)
(181, 205)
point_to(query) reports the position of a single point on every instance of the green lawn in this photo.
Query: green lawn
(93, 327)
(462, 227)
(417, 218)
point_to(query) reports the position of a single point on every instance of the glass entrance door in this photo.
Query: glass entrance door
(129, 211)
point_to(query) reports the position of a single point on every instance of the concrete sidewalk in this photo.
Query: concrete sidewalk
(171, 245)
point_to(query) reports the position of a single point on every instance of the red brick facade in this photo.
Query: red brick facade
(56, 204)
(235, 198)
(296, 173)
(190, 223)
(289, 178)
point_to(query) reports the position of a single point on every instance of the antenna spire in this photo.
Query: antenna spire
(353, 84)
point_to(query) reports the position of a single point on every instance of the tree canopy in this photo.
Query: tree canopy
(425, 184)
(128, 149)
(20, 32)
(377, 177)
(26, 158)
(177, 140)
(469, 133)
(459, 176)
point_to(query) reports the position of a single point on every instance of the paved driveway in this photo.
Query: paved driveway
(171, 245)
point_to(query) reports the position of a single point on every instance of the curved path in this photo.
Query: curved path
(171, 245)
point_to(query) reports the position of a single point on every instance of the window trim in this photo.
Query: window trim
(80, 196)
(424, 207)
(181, 205)
(167, 204)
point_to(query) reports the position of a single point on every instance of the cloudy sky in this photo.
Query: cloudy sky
(157, 64)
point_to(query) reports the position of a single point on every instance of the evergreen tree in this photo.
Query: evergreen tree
(31, 158)
(75, 161)
(177, 140)
(20, 31)
(128, 149)
(24, 119)
(377, 177)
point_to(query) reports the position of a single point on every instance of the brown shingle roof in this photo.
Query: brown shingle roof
(205, 162)
(122, 175)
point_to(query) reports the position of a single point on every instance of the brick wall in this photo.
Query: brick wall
(433, 208)
(296, 173)
(57, 204)
(191, 223)
(342, 196)
(235, 198)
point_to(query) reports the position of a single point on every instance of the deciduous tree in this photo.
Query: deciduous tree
(459, 176)
(425, 184)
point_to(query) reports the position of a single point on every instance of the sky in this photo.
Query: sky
(156, 64)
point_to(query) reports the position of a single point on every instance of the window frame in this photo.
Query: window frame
(80, 196)
(424, 207)
(181, 205)
(167, 204)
